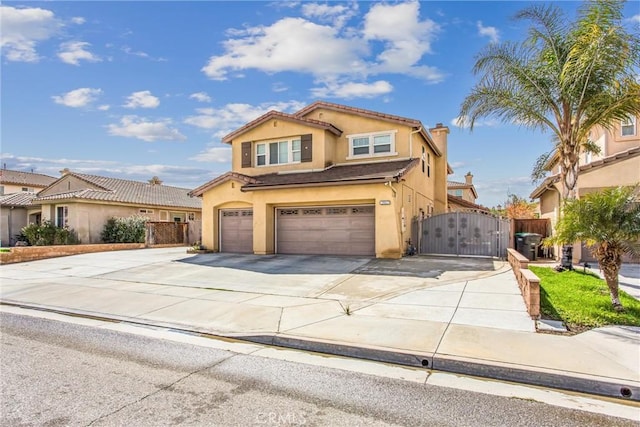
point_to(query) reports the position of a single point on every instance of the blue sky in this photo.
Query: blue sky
(137, 89)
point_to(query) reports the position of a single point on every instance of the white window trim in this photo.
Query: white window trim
(266, 154)
(371, 135)
(630, 121)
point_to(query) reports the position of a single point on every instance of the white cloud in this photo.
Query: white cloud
(406, 38)
(141, 54)
(78, 20)
(338, 15)
(22, 29)
(463, 122)
(279, 87)
(179, 176)
(78, 98)
(142, 99)
(350, 90)
(329, 52)
(214, 155)
(104, 107)
(232, 116)
(290, 44)
(141, 128)
(200, 96)
(491, 32)
(75, 51)
(634, 19)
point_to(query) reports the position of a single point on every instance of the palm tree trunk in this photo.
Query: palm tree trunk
(610, 271)
(569, 167)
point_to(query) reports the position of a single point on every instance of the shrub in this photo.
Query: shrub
(47, 234)
(124, 230)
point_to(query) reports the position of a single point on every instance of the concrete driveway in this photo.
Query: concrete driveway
(249, 294)
(461, 315)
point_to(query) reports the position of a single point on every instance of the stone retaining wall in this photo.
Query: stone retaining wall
(31, 253)
(528, 282)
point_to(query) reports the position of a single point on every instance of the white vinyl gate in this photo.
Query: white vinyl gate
(463, 234)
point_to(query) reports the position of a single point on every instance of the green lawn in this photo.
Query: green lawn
(582, 300)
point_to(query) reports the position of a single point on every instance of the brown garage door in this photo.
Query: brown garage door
(335, 230)
(236, 230)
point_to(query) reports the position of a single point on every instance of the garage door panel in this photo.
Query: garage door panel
(331, 230)
(236, 230)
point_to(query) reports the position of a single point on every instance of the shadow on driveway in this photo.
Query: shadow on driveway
(417, 266)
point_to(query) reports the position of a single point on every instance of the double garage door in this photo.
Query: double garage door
(334, 230)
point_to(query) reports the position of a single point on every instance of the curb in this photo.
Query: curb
(542, 377)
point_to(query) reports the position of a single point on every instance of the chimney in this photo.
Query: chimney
(65, 171)
(468, 178)
(155, 181)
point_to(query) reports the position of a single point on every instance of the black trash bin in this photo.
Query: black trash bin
(527, 244)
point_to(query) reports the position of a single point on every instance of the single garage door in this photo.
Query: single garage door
(236, 230)
(335, 230)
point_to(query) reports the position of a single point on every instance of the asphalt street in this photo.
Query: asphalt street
(58, 373)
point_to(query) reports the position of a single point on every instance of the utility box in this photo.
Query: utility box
(527, 244)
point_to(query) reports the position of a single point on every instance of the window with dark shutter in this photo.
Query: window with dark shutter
(307, 148)
(246, 155)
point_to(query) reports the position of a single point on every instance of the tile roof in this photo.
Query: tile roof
(334, 175)
(348, 173)
(359, 111)
(126, 191)
(465, 203)
(23, 198)
(283, 116)
(220, 179)
(25, 178)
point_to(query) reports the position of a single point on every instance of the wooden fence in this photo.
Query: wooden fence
(167, 233)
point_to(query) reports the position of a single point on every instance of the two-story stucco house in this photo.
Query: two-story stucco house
(17, 190)
(618, 163)
(329, 179)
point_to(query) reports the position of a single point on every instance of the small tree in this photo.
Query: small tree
(609, 223)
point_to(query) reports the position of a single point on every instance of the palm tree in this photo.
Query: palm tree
(564, 77)
(608, 222)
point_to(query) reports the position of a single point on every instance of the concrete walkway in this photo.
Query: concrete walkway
(450, 314)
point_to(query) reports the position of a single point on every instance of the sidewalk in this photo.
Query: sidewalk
(458, 320)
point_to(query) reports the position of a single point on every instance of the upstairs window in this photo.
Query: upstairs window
(372, 144)
(278, 153)
(628, 126)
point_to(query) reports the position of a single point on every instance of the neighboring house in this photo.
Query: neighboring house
(617, 164)
(17, 190)
(329, 179)
(458, 204)
(463, 190)
(16, 212)
(17, 181)
(84, 203)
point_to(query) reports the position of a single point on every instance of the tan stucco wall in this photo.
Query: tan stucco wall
(11, 222)
(278, 130)
(407, 198)
(14, 188)
(88, 219)
(328, 148)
